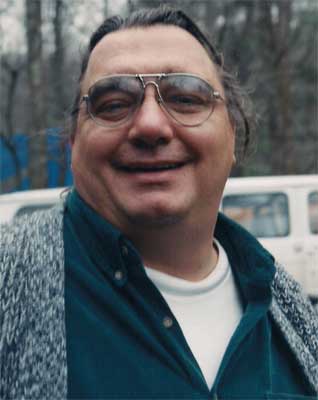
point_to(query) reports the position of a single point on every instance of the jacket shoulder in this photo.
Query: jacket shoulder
(30, 224)
(32, 306)
(298, 321)
(26, 237)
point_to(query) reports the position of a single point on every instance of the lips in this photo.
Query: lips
(150, 167)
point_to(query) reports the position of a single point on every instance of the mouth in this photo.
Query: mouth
(147, 168)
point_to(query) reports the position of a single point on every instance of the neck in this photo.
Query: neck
(182, 251)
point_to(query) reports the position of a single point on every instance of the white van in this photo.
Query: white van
(282, 211)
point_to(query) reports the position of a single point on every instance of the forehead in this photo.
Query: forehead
(152, 49)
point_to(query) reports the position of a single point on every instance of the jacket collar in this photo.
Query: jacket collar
(253, 266)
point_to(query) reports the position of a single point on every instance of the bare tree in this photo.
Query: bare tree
(106, 8)
(37, 122)
(12, 68)
(275, 17)
(284, 83)
(58, 58)
(60, 99)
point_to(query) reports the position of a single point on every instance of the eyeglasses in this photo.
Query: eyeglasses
(187, 98)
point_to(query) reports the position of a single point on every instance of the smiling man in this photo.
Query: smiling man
(137, 287)
(155, 169)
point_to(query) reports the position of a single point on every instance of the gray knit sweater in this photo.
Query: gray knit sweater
(33, 361)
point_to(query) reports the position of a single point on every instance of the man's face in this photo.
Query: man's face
(109, 165)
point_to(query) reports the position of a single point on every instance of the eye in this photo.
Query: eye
(185, 103)
(186, 100)
(112, 108)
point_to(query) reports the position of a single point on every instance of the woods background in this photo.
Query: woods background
(271, 44)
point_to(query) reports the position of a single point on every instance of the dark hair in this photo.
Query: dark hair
(236, 99)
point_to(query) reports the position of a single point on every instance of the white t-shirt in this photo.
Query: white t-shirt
(207, 311)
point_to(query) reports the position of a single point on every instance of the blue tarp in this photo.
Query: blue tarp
(54, 163)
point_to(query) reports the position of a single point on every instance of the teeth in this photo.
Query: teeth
(166, 167)
(154, 168)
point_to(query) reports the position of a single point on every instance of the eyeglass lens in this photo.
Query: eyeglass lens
(188, 99)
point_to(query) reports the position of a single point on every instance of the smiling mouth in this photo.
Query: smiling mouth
(151, 168)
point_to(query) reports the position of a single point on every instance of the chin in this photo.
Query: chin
(155, 221)
(155, 217)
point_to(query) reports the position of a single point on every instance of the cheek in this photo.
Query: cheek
(217, 155)
(215, 146)
(223, 141)
(93, 146)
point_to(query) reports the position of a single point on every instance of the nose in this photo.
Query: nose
(151, 126)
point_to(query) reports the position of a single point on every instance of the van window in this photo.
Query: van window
(263, 214)
(313, 212)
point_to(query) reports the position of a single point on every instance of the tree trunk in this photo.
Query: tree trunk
(60, 97)
(13, 73)
(284, 85)
(37, 122)
(106, 9)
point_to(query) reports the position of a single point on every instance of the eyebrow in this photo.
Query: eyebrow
(131, 70)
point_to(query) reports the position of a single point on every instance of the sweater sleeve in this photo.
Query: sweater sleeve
(32, 323)
(298, 321)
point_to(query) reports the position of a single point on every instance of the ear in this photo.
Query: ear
(73, 134)
(71, 142)
(73, 126)
(234, 138)
(72, 139)
(234, 159)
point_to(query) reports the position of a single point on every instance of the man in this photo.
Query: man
(137, 287)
